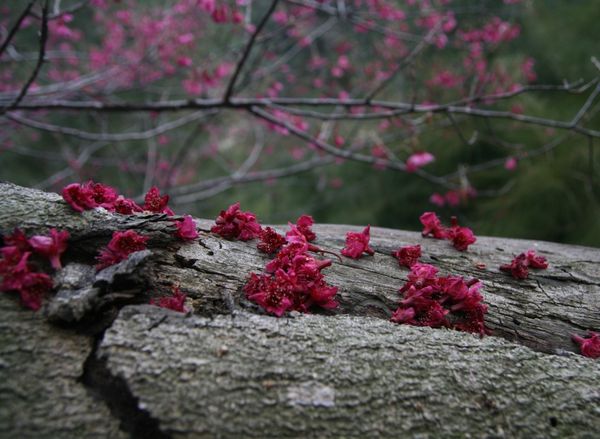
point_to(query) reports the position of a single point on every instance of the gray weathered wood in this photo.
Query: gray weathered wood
(40, 370)
(344, 376)
(352, 374)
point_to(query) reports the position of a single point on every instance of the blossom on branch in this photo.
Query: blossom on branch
(418, 160)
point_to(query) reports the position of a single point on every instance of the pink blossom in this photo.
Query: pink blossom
(437, 199)
(17, 239)
(452, 198)
(519, 267)
(418, 160)
(17, 275)
(154, 202)
(436, 301)
(293, 281)
(121, 245)
(125, 206)
(432, 226)
(51, 246)
(510, 164)
(461, 237)
(34, 287)
(270, 241)
(357, 244)
(527, 68)
(235, 224)
(186, 38)
(78, 197)
(304, 224)
(589, 347)
(186, 229)
(408, 255)
(175, 302)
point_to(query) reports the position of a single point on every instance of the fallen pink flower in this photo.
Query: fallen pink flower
(270, 241)
(408, 255)
(589, 347)
(175, 302)
(120, 247)
(52, 246)
(357, 244)
(154, 202)
(461, 237)
(519, 267)
(186, 229)
(235, 224)
(432, 226)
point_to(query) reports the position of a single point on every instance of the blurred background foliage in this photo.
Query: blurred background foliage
(552, 194)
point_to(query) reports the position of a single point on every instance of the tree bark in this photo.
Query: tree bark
(228, 370)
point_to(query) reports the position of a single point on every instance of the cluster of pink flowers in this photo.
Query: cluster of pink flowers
(453, 198)
(90, 195)
(436, 301)
(519, 267)
(270, 241)
(87, 196)
(22, 276)
(358, 243)
(120, 247)
(175, 302)
(293, 280)
(235, 224)
(461, 237)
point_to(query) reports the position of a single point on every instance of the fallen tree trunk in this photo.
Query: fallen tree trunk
(230, 371)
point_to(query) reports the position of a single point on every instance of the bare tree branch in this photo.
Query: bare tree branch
(242, 61)
(69, 10)
(40, 61)
(117, 137)
(406, 61)
(16, 26)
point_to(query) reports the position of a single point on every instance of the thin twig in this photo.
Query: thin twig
(247, 50)
(407, 60)
(40, 61)
(342, 153)
(116, 137)
(69, 10)
(16, 26)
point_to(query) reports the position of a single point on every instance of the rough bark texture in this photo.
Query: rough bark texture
(40, 369)
(343, 376)
(229, 371)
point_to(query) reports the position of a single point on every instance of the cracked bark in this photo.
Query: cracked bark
(354, 374)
